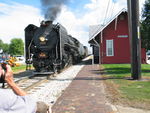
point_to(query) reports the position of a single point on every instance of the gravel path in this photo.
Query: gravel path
(50, 91)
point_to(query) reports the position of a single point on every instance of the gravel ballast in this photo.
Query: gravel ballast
(50, 91)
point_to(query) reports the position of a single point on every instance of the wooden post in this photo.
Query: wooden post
(134, 31)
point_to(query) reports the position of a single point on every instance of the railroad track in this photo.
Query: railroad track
(32, 82)
(28, 81)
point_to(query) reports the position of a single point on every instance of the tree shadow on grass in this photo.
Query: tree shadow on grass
(112, 71)
(118, 73)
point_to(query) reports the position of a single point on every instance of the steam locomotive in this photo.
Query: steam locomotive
(49, 47)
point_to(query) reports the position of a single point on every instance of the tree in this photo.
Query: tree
(4, 47)
(16, 47)
(145, 26)
(1, 44)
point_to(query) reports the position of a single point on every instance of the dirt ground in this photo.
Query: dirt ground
(115, 98)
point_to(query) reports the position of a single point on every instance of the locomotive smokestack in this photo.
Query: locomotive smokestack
(46, 23)
(51, 8)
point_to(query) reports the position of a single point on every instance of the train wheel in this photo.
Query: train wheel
(55, 69)
(70, 60)
(59, 69)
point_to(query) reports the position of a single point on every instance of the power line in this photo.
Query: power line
(112, 10)
(106, 12)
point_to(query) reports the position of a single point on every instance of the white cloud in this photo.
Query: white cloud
(78, 26)
(141, 3)
(96, 9)
(14, 18)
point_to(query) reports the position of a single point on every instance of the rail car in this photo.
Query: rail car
(49, 47)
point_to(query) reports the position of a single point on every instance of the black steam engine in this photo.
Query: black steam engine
(50, 48)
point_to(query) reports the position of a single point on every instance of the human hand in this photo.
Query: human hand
(1, 71)
(9, 75)
(10, 81)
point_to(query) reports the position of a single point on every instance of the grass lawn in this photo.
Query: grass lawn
(130, 90)
(124, 70)
(19, 68)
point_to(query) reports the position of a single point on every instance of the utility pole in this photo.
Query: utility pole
(135, 40)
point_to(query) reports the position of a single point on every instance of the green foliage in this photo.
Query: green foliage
(145, 26)
(16, 47)
(4, 47)
(1, 43)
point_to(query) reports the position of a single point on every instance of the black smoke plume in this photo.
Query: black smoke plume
(51, 8)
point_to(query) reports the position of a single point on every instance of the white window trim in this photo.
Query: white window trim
(107, 41)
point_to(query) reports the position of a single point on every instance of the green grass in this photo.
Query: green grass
(134, 90)
(124, 70)
(19, 68)
(117, 70)
(130, 89)
(146, 70)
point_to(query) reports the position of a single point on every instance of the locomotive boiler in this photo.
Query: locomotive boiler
(49, 47)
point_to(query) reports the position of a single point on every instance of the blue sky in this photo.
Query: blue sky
(74, 5)
(78, 4)
(76, 16)
(35, 3)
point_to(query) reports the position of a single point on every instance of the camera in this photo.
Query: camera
(2, 77)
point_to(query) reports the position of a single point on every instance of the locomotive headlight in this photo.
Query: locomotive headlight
(42, 39)
(42, 55)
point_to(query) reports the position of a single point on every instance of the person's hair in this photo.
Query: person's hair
(42, 107)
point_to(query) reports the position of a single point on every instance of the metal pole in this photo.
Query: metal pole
(92, 59)
(97, 45)
(135, 40)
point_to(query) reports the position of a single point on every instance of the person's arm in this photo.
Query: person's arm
(10, 81)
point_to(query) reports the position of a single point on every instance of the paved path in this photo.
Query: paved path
(84, 95)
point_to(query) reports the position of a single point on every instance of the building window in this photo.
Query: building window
(109, 48)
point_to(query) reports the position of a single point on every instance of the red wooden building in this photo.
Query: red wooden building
(111, 42)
